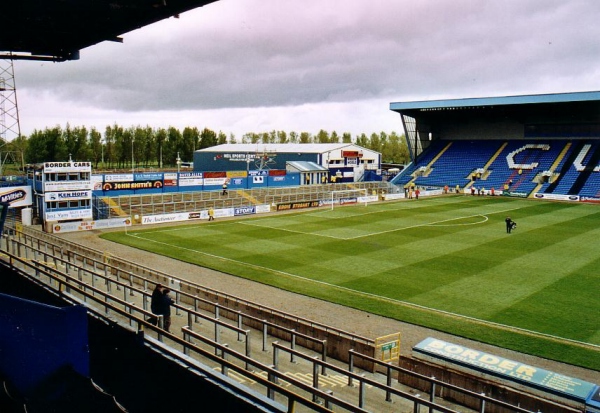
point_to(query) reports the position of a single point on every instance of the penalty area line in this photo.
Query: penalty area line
(436, 223)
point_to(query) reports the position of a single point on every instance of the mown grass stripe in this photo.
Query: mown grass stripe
(412, 260)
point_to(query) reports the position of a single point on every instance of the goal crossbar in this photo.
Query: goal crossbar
(349, 196)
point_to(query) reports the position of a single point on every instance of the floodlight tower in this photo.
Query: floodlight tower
(10, 127)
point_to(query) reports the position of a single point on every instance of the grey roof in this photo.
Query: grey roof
(497, 101)
(302, 166)
(279, 147)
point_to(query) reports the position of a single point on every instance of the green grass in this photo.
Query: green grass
(445, 263)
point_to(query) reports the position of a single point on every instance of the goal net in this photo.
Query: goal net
(349, 196)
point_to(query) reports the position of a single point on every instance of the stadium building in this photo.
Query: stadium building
(316, 163)
(543, 146)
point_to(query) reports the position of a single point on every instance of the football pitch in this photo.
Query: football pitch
(445, 263)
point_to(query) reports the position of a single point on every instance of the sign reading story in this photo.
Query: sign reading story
(509, 369)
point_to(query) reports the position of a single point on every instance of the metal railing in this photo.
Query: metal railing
(112, 287)
(106, 296)
(169, 202)
(60, 250)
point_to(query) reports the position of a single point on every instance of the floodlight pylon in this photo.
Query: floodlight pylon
(10, 127)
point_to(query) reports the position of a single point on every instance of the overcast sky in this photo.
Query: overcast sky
(241, 66)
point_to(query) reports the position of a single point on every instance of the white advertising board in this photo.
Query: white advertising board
(58, 186)
(91, 225)
(118, 178)
(67, 196)
(69, 214)
(54, 167)
(16, 196)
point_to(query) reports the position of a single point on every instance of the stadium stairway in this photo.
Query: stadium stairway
(427, 162)
(243, 194)
(586, 184)
(557, 163)
(486, 167)
(115, 209)
(566, 173)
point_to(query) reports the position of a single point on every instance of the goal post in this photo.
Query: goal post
(349, 196)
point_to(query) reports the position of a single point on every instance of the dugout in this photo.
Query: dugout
(573, 115)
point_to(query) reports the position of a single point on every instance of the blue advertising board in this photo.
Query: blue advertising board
(512, 370)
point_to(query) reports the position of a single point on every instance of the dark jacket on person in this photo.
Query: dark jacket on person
(157, 296)
(164, 304)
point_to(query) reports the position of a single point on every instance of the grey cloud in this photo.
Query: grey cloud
(282, 52)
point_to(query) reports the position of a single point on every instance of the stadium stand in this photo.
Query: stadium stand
(545, 144)
(132, 205)
(534, 166)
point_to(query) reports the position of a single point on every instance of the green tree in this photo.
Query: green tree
(322, 136)
(362, 140)
(57, 149)
(36, 151)
(347, 137)
(110, 145)
(282, 137)
(191, 142)
(221, 138)
(174, 144)
(334, 138)
(375, 142)
(265, 137)
(208, 138)
(96, 148)
(394, 149)
(143, 142)
(305, 137)
(128, 151)
(160, 139)
(250, 137)
(18, 147)
(76, 142)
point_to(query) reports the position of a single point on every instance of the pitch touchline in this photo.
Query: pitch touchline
(378, 297)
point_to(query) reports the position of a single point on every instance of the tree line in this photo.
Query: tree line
(142, 147)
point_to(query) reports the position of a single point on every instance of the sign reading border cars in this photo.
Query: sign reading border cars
(508, 369)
